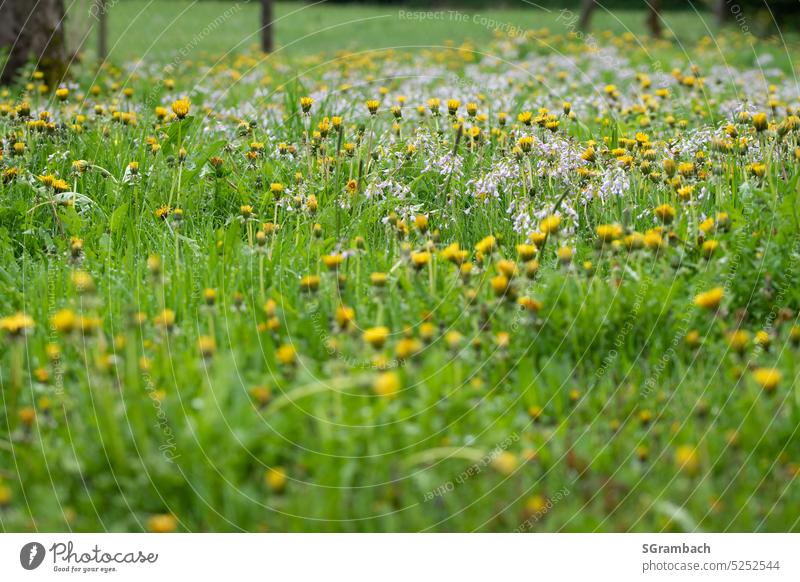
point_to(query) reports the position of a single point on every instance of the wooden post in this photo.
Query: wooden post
(102, 30)
(653, 18)
(266, 26)
(720, 12)
(587, 7)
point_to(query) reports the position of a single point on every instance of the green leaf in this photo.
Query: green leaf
(206, 153)
(175, 130)
(118, 217)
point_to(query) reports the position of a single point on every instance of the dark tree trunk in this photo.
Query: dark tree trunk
(266, 26)
(587, 7)
(653, 19)
(33, 31)
(101, 7)
(720, 12)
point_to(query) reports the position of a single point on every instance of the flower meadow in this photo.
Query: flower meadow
(540, 285)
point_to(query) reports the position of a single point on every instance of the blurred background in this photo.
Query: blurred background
(57, 31)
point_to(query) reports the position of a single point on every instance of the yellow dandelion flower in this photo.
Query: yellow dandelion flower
(286, 355)
(486, 245)
(207, 345)
(64, 321)
(333, 261)
(609, 232)
(16, 324)
(344, 316)
(165, 319)
(378, 279)
(407, 348)
(550, 224)
(665, 213)
(738, 340)
(710, 300)
(162, 523)
(529, 304)
(505, 463)
(420, 259)
(181, 108)
(275, 478)
(687, 459)
(310, 283)
(709, 247)
(387, 384)
(526, 252)
(767, 378)
(759, 121)
(376, 336)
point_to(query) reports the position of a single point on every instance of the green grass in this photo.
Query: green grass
(158, 30)
(614, 395)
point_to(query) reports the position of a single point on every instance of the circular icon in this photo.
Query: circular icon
(31, 555)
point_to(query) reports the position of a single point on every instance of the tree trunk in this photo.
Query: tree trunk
(653, 19)
(102, 29)
(587, 7)
(33, 31)
(720, 12)
(266, 26)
